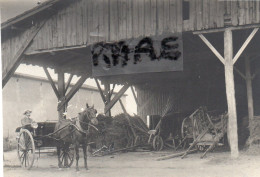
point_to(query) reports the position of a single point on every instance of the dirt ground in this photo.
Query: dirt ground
(140, 164)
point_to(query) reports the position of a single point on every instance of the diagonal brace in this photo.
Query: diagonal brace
(240, 51)
(116, 98)
(205, 40)
(101, 92)
(72, 91)
(51, 82)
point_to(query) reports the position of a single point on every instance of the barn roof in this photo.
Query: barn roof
(29, 13)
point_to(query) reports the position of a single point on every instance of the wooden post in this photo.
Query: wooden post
(107, 96)
(230, 92)
(61, 90)
(250, 102)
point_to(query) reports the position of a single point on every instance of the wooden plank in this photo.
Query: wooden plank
(205, 14)
(129, 19)
(141, 23)
(84, 7)
(160, 17)
(100, 91)
(90, 20)
(116, 98)
(212, 48)
(250, 102)
(122, 19)
(234, 13)
(147, 18)
(68, 83)
(179, 16)
(134, 95)
(240, 51)
(72, 91)
(191, 21)
(173, 16)
(135, 19)
(61, 90)
(240, 73)
(95, 15)
(113, 20)
(153, 17)
(16, 60)
(79, 23)
(166, 14)
(101, 20)
(51, 82)
(199, 14)
(230, 93)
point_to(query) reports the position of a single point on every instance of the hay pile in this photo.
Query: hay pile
(253, 141)
(115, 132)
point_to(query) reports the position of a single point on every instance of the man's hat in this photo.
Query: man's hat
(27, 111)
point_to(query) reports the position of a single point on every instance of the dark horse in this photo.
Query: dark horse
(74, 132)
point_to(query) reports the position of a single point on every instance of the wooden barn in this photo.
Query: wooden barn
(184, 51)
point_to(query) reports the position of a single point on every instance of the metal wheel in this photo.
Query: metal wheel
(157, 143)
(67, 157)
(26, 149)
(196, 130)
(186, 127)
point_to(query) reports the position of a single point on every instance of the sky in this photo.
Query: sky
(12, 8)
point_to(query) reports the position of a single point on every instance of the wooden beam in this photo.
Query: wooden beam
(72, 91)
(112, 91)
(17, 59)
(100, 91)
(107, 96)
(240, 73)
(253, 76)
(240, 51)
(135, 97)
(116, 98)
(51, 82)
(212, 48)
(230, 92)
(250, 102)
(223, 29)
(61, 90)
(68, 83)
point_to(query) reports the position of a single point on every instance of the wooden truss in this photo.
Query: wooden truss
(228, 60)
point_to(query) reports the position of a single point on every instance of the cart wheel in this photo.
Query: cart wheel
(67, 157)
(137, 140)
(157, 143)
(26, 149)
(196, 130)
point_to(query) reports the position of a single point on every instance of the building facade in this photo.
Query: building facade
(34, 93)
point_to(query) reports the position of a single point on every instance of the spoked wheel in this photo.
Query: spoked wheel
(157, 143)
(66, 157)
(26, 149)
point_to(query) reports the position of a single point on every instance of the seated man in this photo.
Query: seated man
(26, 120)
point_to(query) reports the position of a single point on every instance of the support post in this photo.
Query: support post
(61, 90)
(107, 97)
(250, 102)
(230, 92)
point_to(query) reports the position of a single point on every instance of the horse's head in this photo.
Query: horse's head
(89, 115)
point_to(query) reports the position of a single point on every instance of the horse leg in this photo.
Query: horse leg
(84, 146)
(58, 153)
(77, 156)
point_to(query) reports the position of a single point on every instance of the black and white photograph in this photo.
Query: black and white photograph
(130, 88)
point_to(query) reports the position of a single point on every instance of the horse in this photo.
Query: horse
(74, 132)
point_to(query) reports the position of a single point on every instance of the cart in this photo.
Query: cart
(203, 131)
(38, 136)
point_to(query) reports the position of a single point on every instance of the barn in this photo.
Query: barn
(175, 53)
